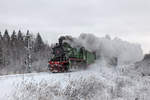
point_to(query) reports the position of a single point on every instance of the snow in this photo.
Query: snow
(101, 81)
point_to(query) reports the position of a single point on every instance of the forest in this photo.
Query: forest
(14, 52)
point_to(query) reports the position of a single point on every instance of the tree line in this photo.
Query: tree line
(14, 54)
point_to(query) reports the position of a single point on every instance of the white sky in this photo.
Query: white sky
(127, 19)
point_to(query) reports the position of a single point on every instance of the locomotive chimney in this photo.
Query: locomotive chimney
(61, 40)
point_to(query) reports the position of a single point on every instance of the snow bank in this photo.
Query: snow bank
(105, 84)
(108, 49)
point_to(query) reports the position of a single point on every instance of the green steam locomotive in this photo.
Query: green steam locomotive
(67, 58)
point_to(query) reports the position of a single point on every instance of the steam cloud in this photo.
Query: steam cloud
(108, 49)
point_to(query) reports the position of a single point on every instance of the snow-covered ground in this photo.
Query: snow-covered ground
(96, 83)
(101, 81)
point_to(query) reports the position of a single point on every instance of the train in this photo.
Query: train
(68, 58)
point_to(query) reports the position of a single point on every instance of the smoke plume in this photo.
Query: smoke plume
(109, 49)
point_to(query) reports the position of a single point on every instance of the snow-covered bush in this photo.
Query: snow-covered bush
(80, 89)
(36, 91)
(84, 89)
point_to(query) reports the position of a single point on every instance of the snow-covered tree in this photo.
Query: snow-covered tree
(13, 38)
(6, 37)
(6, 48)
(20, 47)
(1, 37)
(26, 38)
(1, 56)
(20, 36)
(39, 44)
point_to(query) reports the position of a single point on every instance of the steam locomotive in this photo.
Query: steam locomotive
(68, 58)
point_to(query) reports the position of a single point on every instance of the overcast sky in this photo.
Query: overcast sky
(127, 19)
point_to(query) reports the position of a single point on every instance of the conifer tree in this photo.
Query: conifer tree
(1, 56)
(26, 38)
(13, 38)
(29, 46)
(20, 40)
(6, 48)
(1, 52)
(6, 37)
(20, 36)
(1, 37)
(39, 44)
